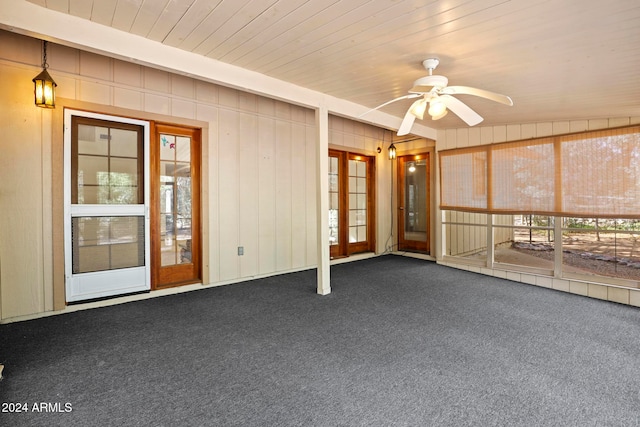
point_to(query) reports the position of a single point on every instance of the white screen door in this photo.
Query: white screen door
(106, 210)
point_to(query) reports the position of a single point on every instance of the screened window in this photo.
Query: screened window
(462, 174)
(566, 205)
(591, 174)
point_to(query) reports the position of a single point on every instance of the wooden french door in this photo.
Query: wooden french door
(175, 206)
(351, 203)
(413, 203)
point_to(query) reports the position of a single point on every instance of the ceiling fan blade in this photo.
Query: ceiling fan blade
(411, 95)
(461, 109)
(406, 124)
(466, 90)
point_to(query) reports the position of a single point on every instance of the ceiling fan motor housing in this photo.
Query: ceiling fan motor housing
(424, 84)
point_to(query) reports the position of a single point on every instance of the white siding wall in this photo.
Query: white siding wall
(24, 151)
(258, 167)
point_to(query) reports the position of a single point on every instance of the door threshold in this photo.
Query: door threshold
(87, 301)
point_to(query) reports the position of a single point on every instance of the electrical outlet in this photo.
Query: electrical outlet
(240, 250)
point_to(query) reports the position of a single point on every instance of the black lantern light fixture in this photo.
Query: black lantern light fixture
(44, 87)
(392, 151)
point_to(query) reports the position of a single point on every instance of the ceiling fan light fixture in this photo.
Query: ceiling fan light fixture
(436, 107)
(438, 117)
(435, 91)
(418, 108)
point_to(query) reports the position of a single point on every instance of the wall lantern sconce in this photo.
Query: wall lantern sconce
(392, 151)
(44, 87)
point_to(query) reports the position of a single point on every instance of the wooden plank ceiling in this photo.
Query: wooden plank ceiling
(558, 60)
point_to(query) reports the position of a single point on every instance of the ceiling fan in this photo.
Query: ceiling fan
(434, 93)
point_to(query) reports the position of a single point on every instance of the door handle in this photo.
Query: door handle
(401, 208)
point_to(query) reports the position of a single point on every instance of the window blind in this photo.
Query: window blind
(590, 174)
(464, 174)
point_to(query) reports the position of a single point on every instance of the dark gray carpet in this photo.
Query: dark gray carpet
(399, 342)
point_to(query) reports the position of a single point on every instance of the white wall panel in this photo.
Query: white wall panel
(63, 58)
(298, 196)
(156, 80)
(598, 124)
(125, 98)
(452, 138)
(284, 177)
(67, 87)
(310, 191)
(96, 66)
(22, 50)
(182, 86)
(561, 127)
(157, 104)
(21, 196)
(528, 131)
(283, 110)
(544, 129)
(462, 137)
(249, 213)
(267, 194)
(127, 73)
(182, 108)
(475, 134)
(211, 187)
(228, 97)
(617, 122)
(95, 93)
(514, 132)
(228, 193)
(247, 102)
(486, 136)
(499, 134)
(579, 125)
(206, 92)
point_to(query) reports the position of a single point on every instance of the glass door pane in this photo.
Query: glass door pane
(108, 166)
(413, 202)
(357, 201)
(107, 243)
(175, 199)
(334, 201)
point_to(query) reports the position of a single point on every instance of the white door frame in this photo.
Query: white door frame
(85, 286)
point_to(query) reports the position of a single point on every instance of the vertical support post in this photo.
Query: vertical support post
(440, 231)
(557, 246)
(322, 199)
(490, 242)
